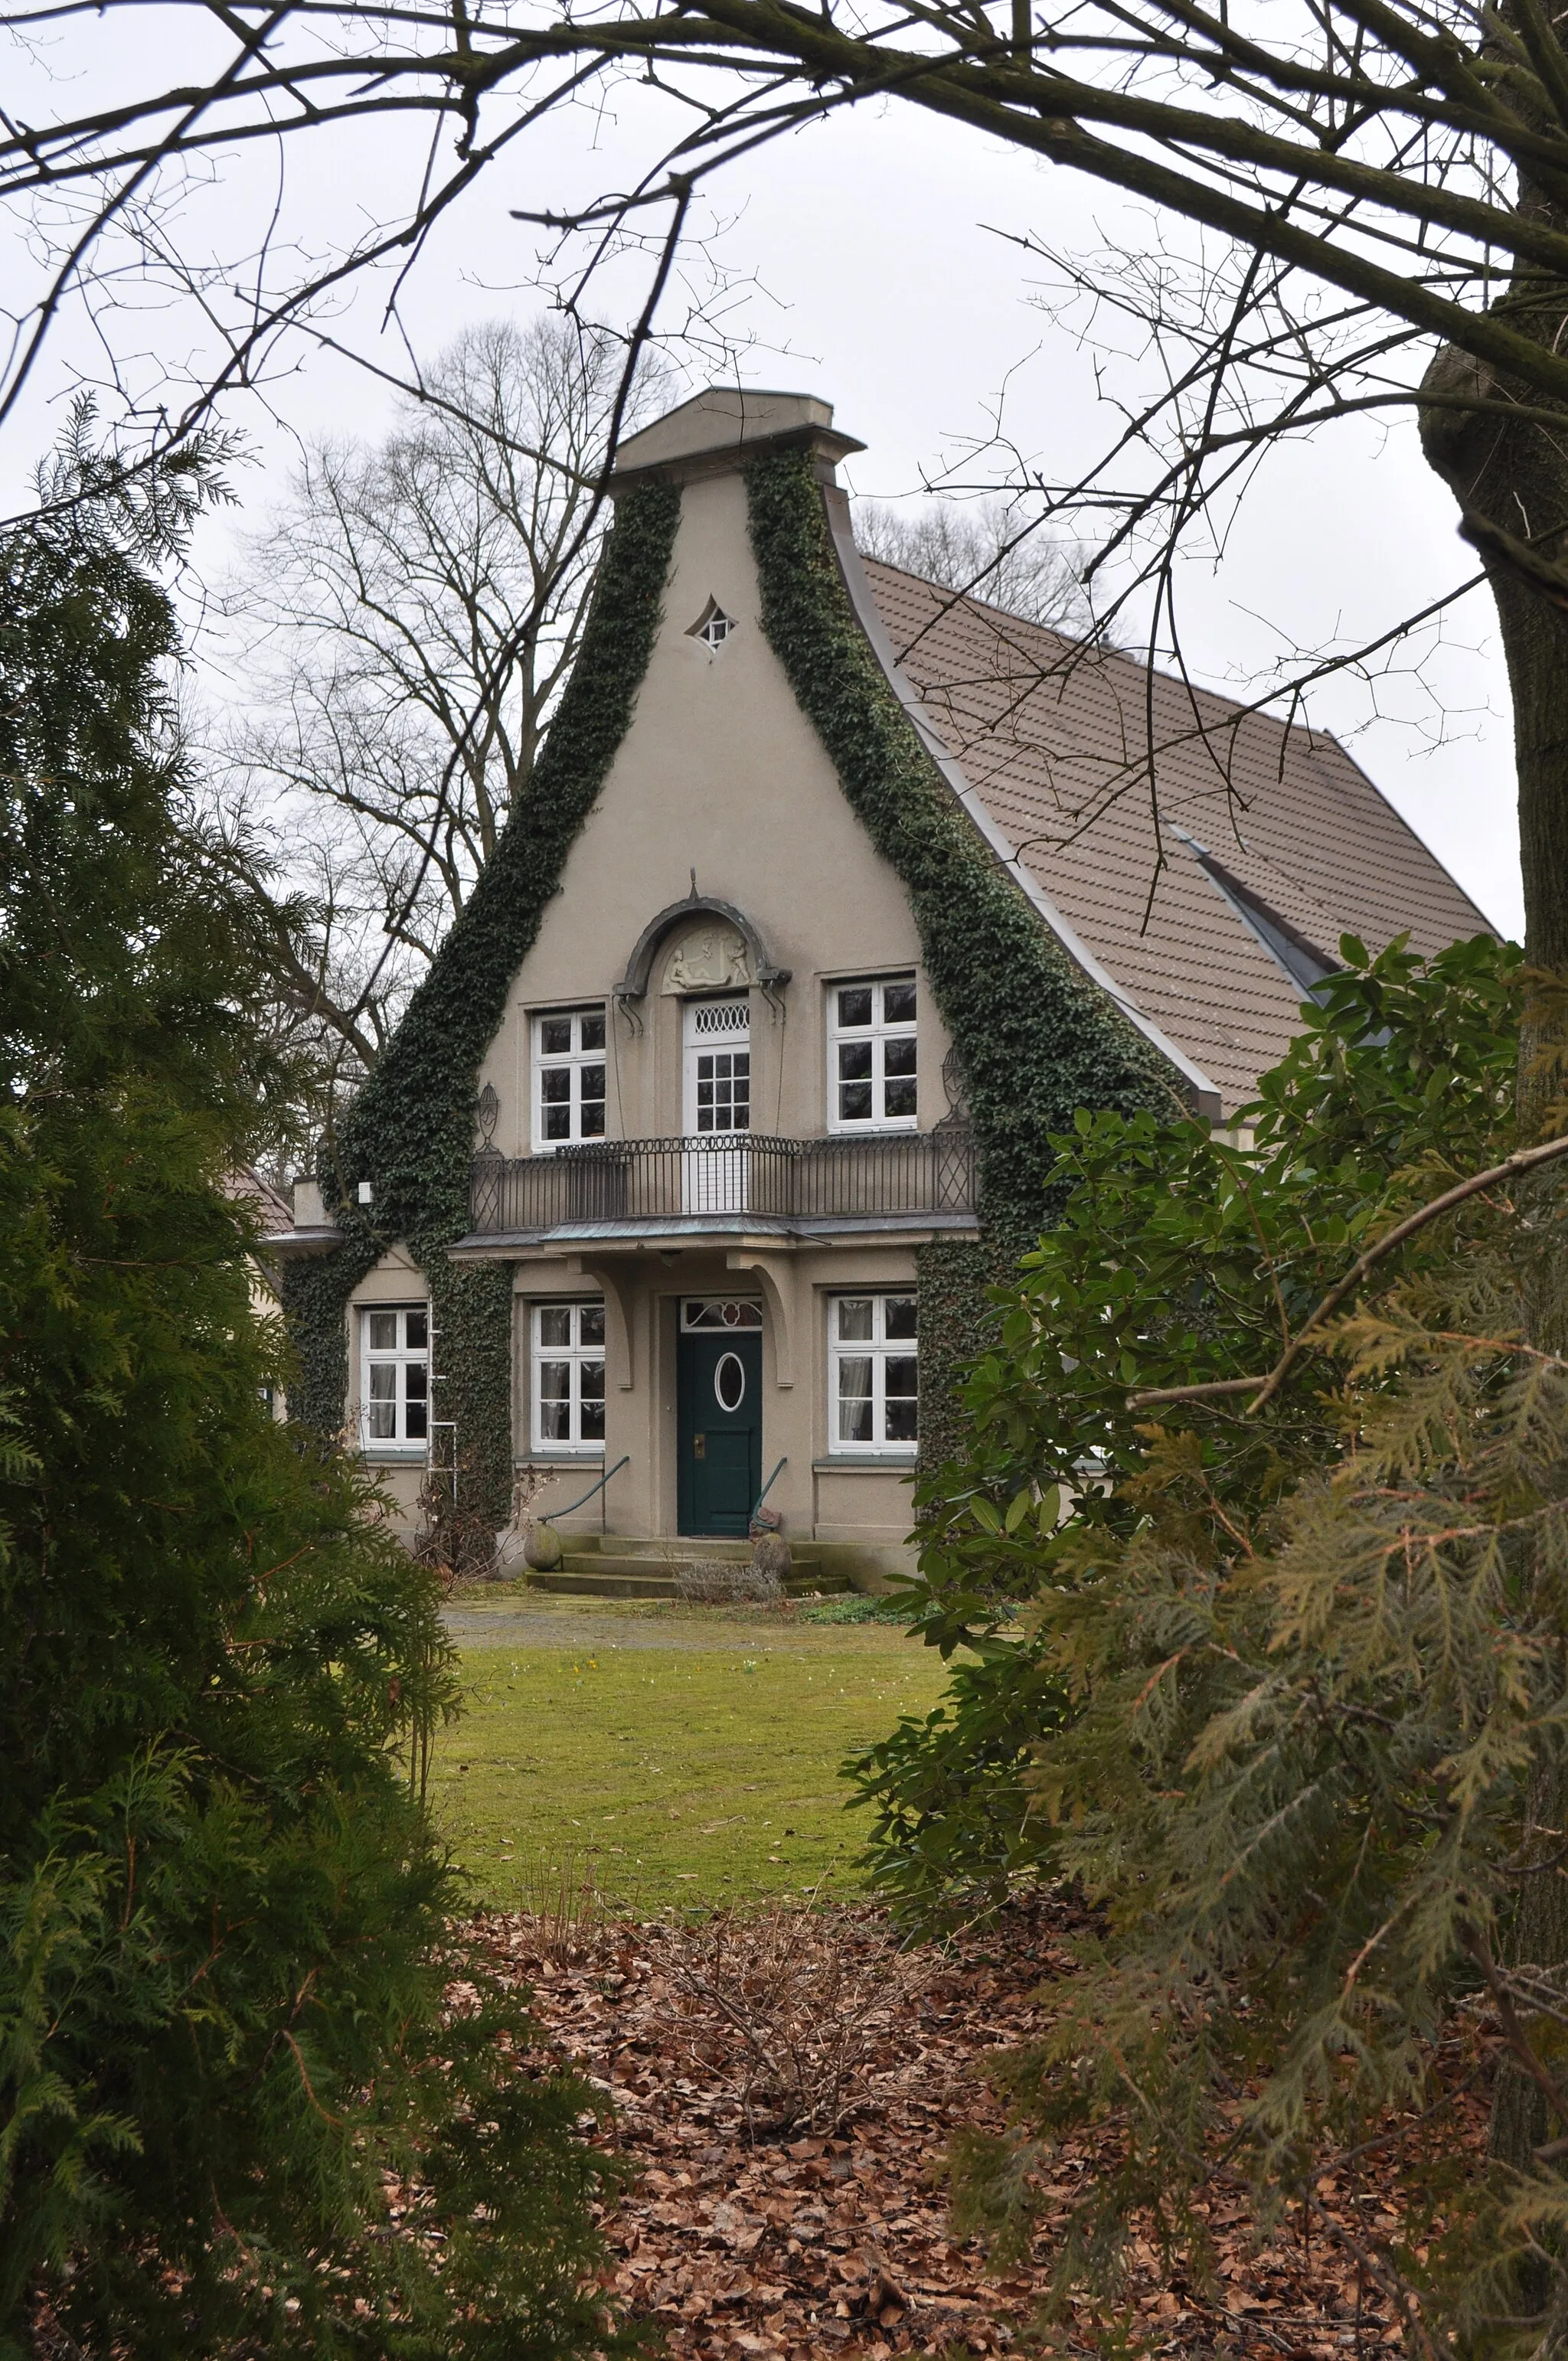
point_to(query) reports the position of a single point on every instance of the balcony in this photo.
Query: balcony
(741, 1182)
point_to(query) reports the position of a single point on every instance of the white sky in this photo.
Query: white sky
(865, 266)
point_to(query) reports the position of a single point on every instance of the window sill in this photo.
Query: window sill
(905, 1123)
(393, 1455)
(866, 1463)
(586, 1457)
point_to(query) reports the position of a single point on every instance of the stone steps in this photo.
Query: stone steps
(614, 1567)
(567, 1585)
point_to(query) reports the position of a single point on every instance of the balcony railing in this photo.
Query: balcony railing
(670, 1180)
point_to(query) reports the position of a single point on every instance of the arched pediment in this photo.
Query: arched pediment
(765, 970)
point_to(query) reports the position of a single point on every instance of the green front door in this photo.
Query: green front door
(718, 1397)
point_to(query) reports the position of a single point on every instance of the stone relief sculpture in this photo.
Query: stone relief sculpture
(711, 958)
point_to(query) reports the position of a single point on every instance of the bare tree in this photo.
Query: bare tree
(1384, 183)
(402, 625)
(989, 549)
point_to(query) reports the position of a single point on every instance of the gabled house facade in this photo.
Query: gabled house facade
(833, 895)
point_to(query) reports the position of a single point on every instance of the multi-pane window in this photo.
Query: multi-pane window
(719, 1065)
(394, 1378)
(568, 1376)
(873, 1372)
(568, 1077)
(871, 1053)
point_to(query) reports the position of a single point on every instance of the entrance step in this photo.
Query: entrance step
(623, 1570)
(682, 1549)
(567, 1585)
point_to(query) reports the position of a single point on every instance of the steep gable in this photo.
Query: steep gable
(721, 786)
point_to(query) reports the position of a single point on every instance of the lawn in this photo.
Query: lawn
(685, 1761)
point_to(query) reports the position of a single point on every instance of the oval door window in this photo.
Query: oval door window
(729, 1381)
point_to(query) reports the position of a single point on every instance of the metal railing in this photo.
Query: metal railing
(768, 1487)
(744, 1172)
(601, 1486)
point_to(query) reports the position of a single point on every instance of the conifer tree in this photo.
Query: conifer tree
(255, 2094)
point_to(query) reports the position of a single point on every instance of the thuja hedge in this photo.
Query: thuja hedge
(1035, 1038)
(410, 1130)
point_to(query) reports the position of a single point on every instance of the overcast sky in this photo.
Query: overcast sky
(866, 264)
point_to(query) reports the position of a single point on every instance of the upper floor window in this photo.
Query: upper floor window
(394, 1376)
(871, 1055)
(873, 1372)
(568, 1077)
(568, 1376)
(717, 1066)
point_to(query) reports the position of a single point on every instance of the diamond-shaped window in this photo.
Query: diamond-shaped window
(713, 626)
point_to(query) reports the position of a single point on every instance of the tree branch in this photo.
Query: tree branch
(1524, 1160)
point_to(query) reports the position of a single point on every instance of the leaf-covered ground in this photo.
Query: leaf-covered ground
(748, 2233)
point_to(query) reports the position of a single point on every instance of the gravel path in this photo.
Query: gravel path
(535, 1622)
(536, 1627)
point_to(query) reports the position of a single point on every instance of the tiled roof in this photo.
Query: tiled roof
(273, 1207)
(1054, 739)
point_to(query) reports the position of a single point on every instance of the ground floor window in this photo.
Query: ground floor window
(394, 1379)
(872, 1372)
(568, 1376)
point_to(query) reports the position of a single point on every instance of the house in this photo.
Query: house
(833, 895)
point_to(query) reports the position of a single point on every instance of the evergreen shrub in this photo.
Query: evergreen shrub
(1177, 1257)
(256, 2095)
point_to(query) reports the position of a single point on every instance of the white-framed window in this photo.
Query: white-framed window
(872, 1054)
(712, 627)
(717, 1066)
(568, 1077)
(874, 1373)
(568, 1376)
(394, 1376)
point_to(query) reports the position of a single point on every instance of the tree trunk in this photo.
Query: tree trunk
(1516, 476)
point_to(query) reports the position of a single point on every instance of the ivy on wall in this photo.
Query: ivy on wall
(957, 1321)
(1036, 1039)
(409, 1132)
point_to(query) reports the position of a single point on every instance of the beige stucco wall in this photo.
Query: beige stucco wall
(720, 772)
(821, 1495)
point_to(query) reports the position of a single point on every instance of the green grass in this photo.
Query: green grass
(690, 1775)
(853, 1607)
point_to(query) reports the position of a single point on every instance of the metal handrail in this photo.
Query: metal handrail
(588, 1495)
(768, 1487)
(615, 1180)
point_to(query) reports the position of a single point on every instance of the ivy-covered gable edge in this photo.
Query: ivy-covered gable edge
(410, 1131)
(1036, 1037)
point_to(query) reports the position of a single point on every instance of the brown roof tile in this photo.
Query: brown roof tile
(1055, 738)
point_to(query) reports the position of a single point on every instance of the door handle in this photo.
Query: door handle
(699, 1446)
